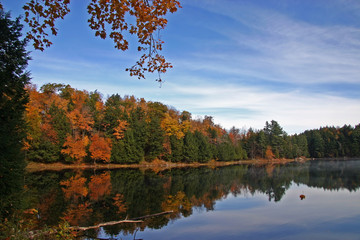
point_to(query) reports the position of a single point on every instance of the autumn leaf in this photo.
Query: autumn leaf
(113, 19)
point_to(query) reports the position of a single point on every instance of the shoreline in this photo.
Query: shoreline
(155, 165)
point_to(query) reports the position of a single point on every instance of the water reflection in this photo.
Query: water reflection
(85, 198)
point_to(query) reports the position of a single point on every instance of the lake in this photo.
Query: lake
(233, 202)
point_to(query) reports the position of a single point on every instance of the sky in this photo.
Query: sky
(244, 62)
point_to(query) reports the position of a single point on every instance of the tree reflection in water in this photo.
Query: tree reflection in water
(88, 198)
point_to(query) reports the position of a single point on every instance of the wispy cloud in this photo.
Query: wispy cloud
(280, 48)
(236, 105)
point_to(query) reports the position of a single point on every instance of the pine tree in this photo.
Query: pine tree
(204, 153)
(176, 149)
(13, 97)
(155, 139)
(190, 149)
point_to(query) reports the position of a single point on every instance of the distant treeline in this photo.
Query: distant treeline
(73, 126)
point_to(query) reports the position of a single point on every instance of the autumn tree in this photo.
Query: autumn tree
(112, 19)
(75, 148)
(13, 97)
(120, 129)
(100, 148)
(269, 153)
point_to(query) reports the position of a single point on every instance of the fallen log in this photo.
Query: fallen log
(153, 215)
(38, 233)
(77, 228)
(134, 220)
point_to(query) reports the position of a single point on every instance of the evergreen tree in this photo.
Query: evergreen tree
(316, 147)
(302, 144)
(275, 135)
(13, 97)
(176, 149)
(138, 124)
(355, 145)
(261, 140)
(60, 123)
(155, 139)
(125, 150)
(226, 151)
(204, 151)
(190, 149)
(112, 113)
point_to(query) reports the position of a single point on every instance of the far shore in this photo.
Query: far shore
(156, 165)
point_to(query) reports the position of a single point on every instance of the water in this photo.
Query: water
(235, 202)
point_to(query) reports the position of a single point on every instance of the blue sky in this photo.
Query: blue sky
(242, 62)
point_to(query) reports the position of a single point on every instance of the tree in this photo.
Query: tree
(176, 146)
(316, 145)
(100, 148)
(75, 148)
(155, 139)
(190, 148)
(110, 18)
(268, 153)
(126, 150)
(204, 151)
(13, 97)
(275, 135)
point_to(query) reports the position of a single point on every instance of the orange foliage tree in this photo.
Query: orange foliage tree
(110, 18)
(80, 117)
(269, 153)
(100, 148)
(75, 147)
(120, 129)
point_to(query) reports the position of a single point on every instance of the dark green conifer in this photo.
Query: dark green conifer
(13, 97)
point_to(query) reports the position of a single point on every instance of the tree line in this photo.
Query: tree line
(76, 126)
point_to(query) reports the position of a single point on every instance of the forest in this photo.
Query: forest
(75, 126)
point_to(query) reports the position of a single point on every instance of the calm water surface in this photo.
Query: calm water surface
(236, 202)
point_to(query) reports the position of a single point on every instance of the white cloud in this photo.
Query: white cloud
(236, 105)
(281, 49)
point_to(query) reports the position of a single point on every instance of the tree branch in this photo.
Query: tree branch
(38, 233)
(134, 220)
(104, 224)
